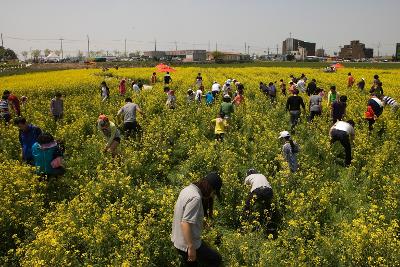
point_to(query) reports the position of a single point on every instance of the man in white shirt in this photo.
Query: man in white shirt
(260, 193)
(199, 94)
(215, 89)
(343, 132)
(301, 85)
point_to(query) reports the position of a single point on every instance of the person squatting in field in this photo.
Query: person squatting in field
(343, 132)
(110, 133)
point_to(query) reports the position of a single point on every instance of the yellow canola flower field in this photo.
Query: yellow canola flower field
(106, 212)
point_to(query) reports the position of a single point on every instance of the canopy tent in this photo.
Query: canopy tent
(164, 68)
(337, 66)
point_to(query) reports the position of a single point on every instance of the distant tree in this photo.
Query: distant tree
(24, 54)
(57, 52)
(136, 53)
(35, 55)
(217, 55)
(47, 52)
(290, 57)
(7, 54)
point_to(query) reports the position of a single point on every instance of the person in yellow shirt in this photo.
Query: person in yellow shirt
(220, 126)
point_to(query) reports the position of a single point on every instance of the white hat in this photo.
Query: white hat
(284, 134)
(362, 79)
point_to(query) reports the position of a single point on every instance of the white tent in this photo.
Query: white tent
(52, 57)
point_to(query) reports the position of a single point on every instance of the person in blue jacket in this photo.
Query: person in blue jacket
(28, 135)
(209, 98)
(47, 156)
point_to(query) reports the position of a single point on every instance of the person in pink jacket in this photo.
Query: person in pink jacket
(122, 87)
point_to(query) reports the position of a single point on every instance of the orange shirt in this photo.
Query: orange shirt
(238, 99)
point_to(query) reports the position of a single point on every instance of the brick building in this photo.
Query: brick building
(356, 50)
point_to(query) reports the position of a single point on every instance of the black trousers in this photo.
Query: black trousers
(204, 255)
(131, 129)
(371, 123)
(313, 114)
(344, 138)
(262, 199)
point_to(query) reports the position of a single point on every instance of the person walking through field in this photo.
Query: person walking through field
(220, 127)
(282, 86)
(227, 108)
(167, 78)
(293, 104)
(105, 91)
(260, 195)
(195, 202)
(289, 150)
(48, 156)
(171, 100)
(361, 84)
(315, 105)
(215, 89)
(311, 87)
(333, 96)
(374, 110)
(129, 113)
(388, 101)
(110, 133)
(350, 80)
(122, 87)
(153, 78)
(239, 98)
(377, 90)
(272, 92)
(199, 80)
(57, 107)
(14, 101)
(343, 131)
(338, 110)
(199, 94)
(5, 110)
(209, 98)
(28, 135)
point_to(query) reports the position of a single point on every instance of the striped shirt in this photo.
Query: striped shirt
(389, 101)
(4, 107)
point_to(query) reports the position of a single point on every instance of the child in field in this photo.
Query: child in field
(171, 100)
(57, 106)
(289, 150)
(14, 101)
(282, 85)
(220, 126)
(4, 110)
(105, 91)
(190, 95)
(153, 78)
(48, 156)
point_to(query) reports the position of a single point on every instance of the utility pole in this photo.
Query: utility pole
(62, 52)
(248, 50)
(216, 47)
(2, 44)
(379, 46)
(268, 51)
(155, 45)
(209, 45)
(290, 35)
(125, 48)
(176, 46)
(88, 46)
(277, 50)
(245, 47)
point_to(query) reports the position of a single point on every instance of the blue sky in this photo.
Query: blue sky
(196, 24)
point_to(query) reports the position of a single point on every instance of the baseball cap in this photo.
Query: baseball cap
(284, 134)
(215, 181)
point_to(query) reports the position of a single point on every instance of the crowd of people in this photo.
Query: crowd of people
(40, 149)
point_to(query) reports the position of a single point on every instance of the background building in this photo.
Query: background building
(320, 52)
(398, 52)
(184, 55)
(356, 50)
(291, 45)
